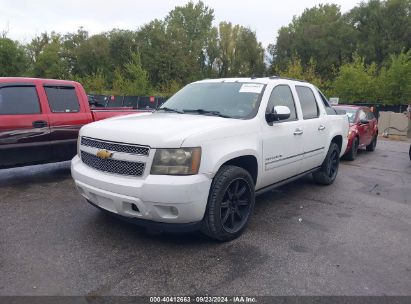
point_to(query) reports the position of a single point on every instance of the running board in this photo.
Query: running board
(285, 181)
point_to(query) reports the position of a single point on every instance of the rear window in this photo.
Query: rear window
(17, 100)
(308, 102)
(62, 99)
(328, 108)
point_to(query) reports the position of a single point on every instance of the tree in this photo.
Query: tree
(133, 80)
(240, 54)
(50, 62)
(357, 82)
(95, 83)
(382, 28)
(320, 33)
(395, 80)
(13, 59)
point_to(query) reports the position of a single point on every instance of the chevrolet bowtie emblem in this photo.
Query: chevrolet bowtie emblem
(104, 154)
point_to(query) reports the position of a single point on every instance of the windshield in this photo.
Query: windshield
(227, 99)
(351, 112)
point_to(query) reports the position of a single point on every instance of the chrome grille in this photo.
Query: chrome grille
(111, 146)
(112, 165)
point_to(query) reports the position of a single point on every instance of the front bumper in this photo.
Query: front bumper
(154, 198)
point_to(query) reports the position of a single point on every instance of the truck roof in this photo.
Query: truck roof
(263, 80)
(36, 80)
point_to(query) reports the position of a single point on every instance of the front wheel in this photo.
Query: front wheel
(352, 154)
(373, 144)
(329, 168)
(230, 204)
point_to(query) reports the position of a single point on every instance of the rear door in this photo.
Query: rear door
(24, 127)
(313, 127)
(67, 114)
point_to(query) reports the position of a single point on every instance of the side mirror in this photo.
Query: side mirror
(364, 122)
(278, 113)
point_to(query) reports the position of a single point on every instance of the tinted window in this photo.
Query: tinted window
(370, 116)
(282, 96)
(308, 102)
(62, 99)
(328, 108)
(19, 100)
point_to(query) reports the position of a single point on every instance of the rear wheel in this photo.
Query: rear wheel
(329, 168)
(230, 204)
(352, 154)
(373, 144)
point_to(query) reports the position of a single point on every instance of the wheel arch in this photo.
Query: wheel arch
(338, 139)
(247, 161)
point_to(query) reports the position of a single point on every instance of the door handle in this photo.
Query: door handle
(298, 132)
(40, 124)
(321, 128)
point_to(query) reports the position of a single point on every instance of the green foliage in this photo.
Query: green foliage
(133, 80)
(95, 83)
(395, 80)
(320, 33)
(356, 82)
(382, 28)
(13, 59)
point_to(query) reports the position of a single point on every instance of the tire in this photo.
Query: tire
(352, 154)
(373, 144)
(329, 168)
(230, 204)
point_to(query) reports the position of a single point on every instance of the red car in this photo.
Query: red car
(40, 119)
(363, 129)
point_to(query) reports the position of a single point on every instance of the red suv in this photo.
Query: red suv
(363, 129)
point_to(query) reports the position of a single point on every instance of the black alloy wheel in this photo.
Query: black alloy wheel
(236, 204)
(230, 203)
(327, 173)
(333, 164)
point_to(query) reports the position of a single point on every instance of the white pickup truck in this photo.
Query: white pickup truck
(200, 160)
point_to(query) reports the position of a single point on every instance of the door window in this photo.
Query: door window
(281, 96)
(370, 115)
(362, 115)
(62, 99)
(17, 100)
(308, 103)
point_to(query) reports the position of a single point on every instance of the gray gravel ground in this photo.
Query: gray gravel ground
(354, 239)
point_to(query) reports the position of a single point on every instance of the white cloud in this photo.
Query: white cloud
(26, 18)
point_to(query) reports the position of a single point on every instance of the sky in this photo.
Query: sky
(24, 19)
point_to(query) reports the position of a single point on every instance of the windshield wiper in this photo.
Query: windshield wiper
(206, 112)
(171, 110)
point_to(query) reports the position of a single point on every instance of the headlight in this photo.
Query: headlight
(184, 161)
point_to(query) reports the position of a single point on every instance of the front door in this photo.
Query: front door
(24, 129)
(282, 142)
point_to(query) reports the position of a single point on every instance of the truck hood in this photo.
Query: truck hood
(157, 130)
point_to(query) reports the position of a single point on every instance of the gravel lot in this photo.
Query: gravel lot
(354, 238)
